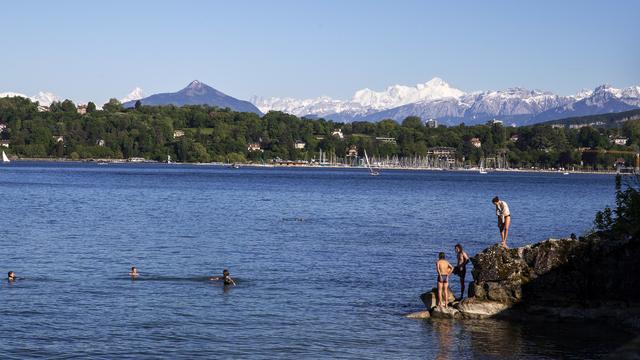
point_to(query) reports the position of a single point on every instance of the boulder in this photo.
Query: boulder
(478, 309)
(441, 312)
(419, 315)
(429, 298)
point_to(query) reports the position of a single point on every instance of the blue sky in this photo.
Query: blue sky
(86, 50)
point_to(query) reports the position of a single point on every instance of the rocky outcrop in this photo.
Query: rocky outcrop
(589, 278)
(556, 273)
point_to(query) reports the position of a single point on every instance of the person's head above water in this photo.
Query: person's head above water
(495, 200)
(441, 256)
(134, 271)
(11, 275)
(225, 272)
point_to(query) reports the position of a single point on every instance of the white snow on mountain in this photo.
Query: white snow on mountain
(438, 99)
(364, 101)
(135, 94)
(42, 97)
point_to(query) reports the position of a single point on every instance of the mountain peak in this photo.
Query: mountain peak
(436, 81)
(197, 93)
(135, 94)
(195, 84)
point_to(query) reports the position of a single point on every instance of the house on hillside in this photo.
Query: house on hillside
(299, 145)
(178, 134)
(431, 123)
(352, 151)
(387, 140)
(619, 140)
(494, 122)
(5, 143)
(82, 109)
(475, 142)
(100, 142)
(254, 147)
(337, 133)
(514, 138)
(58, 138)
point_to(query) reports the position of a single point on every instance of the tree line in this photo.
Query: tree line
(200, 133)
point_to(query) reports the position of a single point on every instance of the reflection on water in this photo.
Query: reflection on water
(500, 339)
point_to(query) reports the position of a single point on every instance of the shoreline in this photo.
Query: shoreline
(333, 166)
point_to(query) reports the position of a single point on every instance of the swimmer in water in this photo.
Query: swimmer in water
(134, 272)
(11, 276)
(225, 278)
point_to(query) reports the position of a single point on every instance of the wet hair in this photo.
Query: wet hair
(10, 273)
(458, 246)
(495, 200)
(441, 255)
(225, 272)
(133, 268)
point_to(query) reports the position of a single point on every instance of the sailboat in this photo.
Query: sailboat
(5, 159)
(482, 170)
(168, 159)
(372, 171)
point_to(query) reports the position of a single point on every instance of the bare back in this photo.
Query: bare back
(444, 268)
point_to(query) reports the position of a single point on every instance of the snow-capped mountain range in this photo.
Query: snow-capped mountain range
(432, 99)
(42, 97)
(439, 100)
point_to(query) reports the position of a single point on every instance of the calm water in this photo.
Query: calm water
(327, 261)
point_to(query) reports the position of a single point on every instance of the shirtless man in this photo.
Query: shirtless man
(444, 269)
(226, 278)
(461, 268)
(134, 272)
(504, 219)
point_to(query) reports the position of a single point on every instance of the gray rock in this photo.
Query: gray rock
(477, 309)
(419, 315)
(441, 312)
(429, 298)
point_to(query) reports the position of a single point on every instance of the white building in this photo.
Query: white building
(254, 147)
(432, 123)
(178, 134)
(619, 140)
(300, 145)
(475, 142)
(337, 133)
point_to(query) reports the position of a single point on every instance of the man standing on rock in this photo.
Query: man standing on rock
(444, 269)
(504, 218)
(461, 268)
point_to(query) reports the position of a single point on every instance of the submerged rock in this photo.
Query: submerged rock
(419, 315)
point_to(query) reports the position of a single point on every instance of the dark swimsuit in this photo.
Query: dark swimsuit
(443, 278)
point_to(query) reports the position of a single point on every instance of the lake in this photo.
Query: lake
(327, 261)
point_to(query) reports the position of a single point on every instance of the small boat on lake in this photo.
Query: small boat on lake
(5, 159)
(372, 171)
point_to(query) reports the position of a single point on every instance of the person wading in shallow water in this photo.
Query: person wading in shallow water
(504, 219)
(461, 268)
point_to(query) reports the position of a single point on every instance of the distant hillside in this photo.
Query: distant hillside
(197, 93)
(602, 120)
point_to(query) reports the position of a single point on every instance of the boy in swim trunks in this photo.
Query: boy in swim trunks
(444, 269)
(504, 219)
(226, 278)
